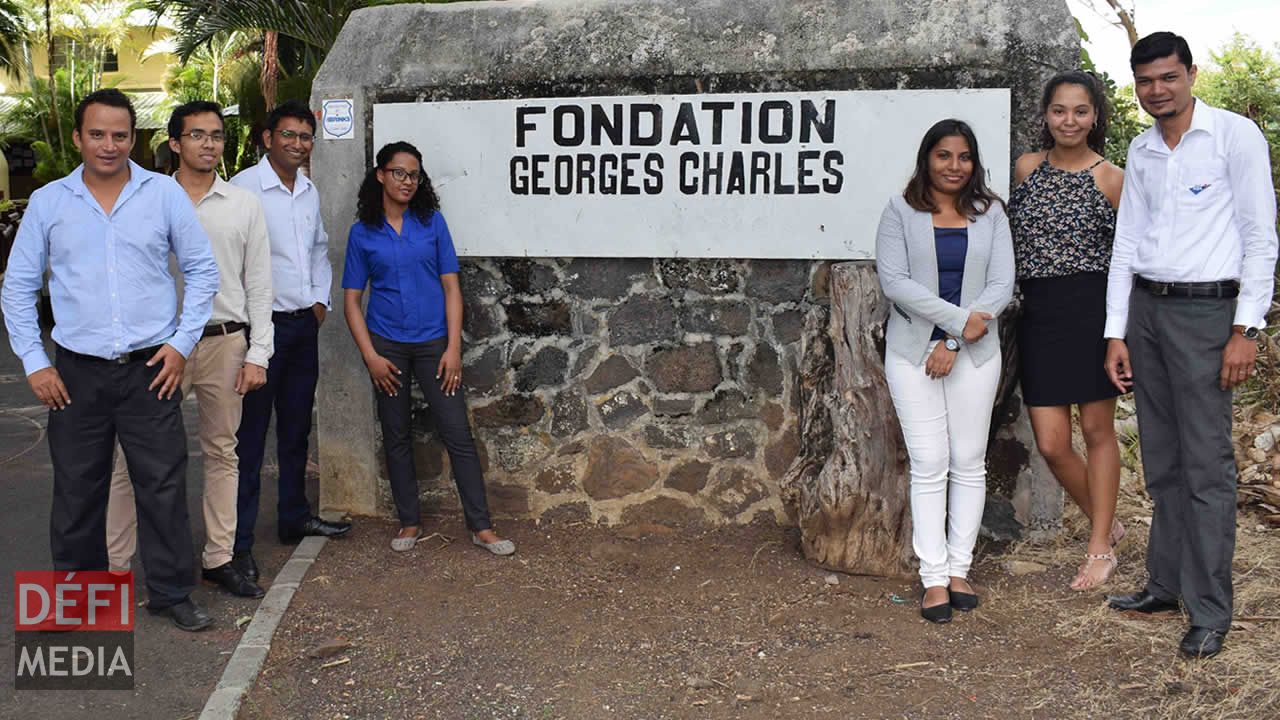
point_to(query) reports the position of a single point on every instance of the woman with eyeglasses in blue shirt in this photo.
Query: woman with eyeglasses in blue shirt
(401, 249)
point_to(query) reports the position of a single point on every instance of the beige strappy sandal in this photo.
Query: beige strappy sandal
(1089, 558)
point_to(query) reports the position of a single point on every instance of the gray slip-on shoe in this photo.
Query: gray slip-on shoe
(502, 547)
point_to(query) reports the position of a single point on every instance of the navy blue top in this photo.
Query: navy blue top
(952, 245)
(406, 299)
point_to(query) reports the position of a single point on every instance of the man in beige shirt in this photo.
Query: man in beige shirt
(231, 357)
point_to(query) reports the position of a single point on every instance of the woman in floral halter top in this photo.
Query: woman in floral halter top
(1063, 214)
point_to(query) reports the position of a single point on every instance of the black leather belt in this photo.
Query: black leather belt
(225, 328)
(129, 357)
(283, 314)
(1216, 289)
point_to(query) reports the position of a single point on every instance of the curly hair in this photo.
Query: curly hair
(1097, 97)
(369, 201)
(975, 197)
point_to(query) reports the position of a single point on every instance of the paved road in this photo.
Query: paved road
(175, 671)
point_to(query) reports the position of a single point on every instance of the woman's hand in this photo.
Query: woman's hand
(976, 326)
(939, 363)
(384, 373)
(449, 373)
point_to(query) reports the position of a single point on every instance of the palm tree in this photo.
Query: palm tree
(13, 34)
(313, 24)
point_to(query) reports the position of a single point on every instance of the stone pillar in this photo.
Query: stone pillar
(661, 388)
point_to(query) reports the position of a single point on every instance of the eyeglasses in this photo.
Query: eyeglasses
(302, 137)
(401, 175)
(200, 136)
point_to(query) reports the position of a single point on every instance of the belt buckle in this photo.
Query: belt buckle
(1163, 289)
(122, 359)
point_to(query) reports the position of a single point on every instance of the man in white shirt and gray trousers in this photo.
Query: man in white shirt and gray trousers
(1192, 273)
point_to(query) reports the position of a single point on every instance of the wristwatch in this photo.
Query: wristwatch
(1249, 333)
(953, 344)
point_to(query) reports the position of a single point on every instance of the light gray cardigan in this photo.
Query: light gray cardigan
(907, 263)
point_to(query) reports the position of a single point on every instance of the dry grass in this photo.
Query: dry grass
(1242, 682)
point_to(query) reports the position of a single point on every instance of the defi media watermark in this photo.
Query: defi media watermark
(73, 630)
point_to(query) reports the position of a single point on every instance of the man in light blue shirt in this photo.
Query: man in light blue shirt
(105, 233)
(300, 278)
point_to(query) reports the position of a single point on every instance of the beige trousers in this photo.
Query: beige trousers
(211, 370)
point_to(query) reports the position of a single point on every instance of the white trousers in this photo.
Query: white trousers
(945, 423)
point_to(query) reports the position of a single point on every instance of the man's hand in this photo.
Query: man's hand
(251, 378)
(976, 326)
(49, 390)
(1237, 360)
(940, 361)
(169, 379)
(449, 371)
(1117, 365)
(321, 311)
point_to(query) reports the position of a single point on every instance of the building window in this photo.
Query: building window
(63, 50)
(110, 61)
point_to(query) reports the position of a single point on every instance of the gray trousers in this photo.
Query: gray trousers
(1184, 422)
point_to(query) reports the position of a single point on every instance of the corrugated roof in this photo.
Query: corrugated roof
(152, 107)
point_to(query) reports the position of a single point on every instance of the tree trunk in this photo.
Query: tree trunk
(849, 482)
(270, 67)
(53, 87)
(1124, 20)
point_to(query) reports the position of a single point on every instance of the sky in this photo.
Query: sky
(1206, 24)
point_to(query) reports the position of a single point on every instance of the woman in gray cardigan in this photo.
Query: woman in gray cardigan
(945, 262)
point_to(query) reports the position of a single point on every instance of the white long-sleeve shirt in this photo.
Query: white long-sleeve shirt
(300, 272)
(1203, 211)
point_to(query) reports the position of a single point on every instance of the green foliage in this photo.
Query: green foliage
(1245, 79)
(32, 121)
(13, 33)
(1127, 120)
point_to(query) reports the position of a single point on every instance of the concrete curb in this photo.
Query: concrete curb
(246, 662)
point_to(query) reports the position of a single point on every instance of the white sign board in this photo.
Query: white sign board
(747, 175)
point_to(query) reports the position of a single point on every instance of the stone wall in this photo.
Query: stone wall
(655, 388)
(625, 390)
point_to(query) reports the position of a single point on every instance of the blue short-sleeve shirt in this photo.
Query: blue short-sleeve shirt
(402, 270)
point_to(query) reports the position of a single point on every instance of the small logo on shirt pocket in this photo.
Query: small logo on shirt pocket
(1197, 189)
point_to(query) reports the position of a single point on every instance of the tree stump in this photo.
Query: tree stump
(850, 483)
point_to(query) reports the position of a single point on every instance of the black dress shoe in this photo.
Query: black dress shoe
(186, 615)
(1201, 642)
(963, 600)
(313, 526)
(1141, 601)
(229, 579)
(940, 613)
(244, 564)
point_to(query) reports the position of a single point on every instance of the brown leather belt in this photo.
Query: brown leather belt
(225, 328)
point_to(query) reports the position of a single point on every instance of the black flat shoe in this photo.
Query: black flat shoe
(244, 564)
(186, 615)
(1141, 601)
(229, 579)
(313, 526)
(940, 613)
(963, 600)
(1201, 642)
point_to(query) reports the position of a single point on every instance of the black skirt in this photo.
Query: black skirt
(1060, 340)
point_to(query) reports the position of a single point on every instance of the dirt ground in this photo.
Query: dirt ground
(647, 622)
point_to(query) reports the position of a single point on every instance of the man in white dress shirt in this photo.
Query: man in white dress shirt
(301, 279)
(1192, 273)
